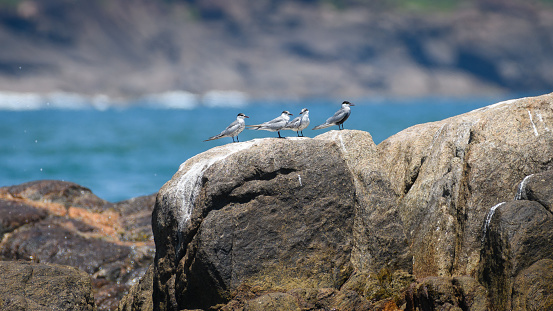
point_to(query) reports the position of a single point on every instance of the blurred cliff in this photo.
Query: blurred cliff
(274, 48)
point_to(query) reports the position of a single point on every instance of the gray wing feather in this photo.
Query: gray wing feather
(340, 115)
(294, 124)
(274, 124)
(232, 130)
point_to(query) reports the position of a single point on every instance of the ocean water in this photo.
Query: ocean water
(120, 153)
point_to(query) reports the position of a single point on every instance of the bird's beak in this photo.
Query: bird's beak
(351, 104)
(246, 117)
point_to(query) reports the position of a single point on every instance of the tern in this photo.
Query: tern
(233, 129)
(275, 125)
(338, 118)
(299, 123)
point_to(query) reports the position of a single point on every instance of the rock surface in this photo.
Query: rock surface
(64, 223)
(271, 213)
(441, 293)
(389, 222)
(36, 287)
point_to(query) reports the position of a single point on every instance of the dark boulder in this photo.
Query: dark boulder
(533, 287)
(517, 235)
(271, 213)
(36, 287)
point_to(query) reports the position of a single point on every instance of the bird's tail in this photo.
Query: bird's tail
(254, 127)
(322, 126)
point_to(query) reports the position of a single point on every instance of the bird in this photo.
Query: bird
(275, 125)
(338, 118)
(233, 129)
(299, 123)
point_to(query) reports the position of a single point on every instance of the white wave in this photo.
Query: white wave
(171, 100)
(165, 100)
(235, 99)
(55, 100)
(63, 100)
(20, 101)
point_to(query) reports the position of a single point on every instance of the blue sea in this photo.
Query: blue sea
(120, 152)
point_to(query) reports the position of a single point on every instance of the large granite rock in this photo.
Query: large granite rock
(415, 222)
(271, 213)
(448, 174)
(64, 223)
(35, 287)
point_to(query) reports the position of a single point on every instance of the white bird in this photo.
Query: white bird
(233, 129)
(299, 123)
(275, 125)
(338, 118)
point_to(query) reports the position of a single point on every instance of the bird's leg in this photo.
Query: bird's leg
(237, 140)
(298, 132)
(279, 134)
(233, 139)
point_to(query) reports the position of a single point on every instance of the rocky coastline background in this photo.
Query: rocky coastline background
(316, 48)
(448, 215)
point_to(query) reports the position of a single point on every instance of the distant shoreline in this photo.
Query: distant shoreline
(294, 49)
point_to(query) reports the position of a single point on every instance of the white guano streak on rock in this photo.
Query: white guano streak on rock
(489, 219)
(533, 125)
(496, 105)
(299, 179)
(540, 117)
(521, 191)
(189, 184)
(339, 136)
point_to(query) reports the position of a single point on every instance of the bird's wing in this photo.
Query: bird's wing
(294, 123)
(268, 123)
(338, 116)
(232, 128)
(275, 121)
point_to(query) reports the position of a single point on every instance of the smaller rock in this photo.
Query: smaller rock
(28, 286)
(519, 234)
(533, 287)
(538, 187)
(56, 191)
